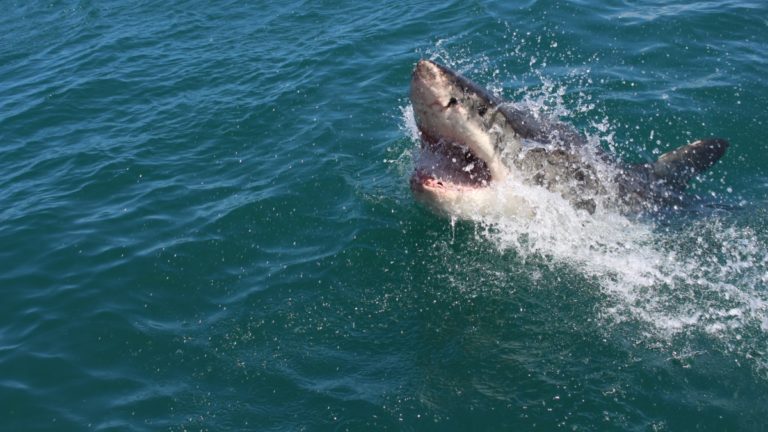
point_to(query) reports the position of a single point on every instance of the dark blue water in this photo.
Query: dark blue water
(205, 221)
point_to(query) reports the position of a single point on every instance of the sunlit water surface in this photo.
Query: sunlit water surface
(206, 222)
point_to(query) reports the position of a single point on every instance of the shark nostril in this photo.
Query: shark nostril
(453, 101)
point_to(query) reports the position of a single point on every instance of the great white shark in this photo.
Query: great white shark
(473, 143)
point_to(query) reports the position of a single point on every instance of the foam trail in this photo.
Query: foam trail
(708, 278)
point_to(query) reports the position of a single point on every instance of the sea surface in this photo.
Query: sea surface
(206, 224)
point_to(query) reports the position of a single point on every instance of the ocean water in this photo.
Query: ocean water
(205, 221)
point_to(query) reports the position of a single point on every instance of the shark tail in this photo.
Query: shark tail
(679, 166)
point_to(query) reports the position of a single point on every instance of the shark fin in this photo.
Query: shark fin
(679, 166)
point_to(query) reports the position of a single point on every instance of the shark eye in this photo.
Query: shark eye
(453, 101)
(482, 110)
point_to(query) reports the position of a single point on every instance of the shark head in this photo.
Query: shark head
(465, 135)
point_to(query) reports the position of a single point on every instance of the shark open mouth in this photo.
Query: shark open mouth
(449, 165)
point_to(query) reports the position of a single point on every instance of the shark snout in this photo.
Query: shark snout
(428, 71)
(425, 70)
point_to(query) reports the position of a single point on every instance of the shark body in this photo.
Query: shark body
(472, 142)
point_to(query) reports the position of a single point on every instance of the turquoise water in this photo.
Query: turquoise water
(206, 224)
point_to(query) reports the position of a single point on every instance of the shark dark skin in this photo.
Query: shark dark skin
(472, 142)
